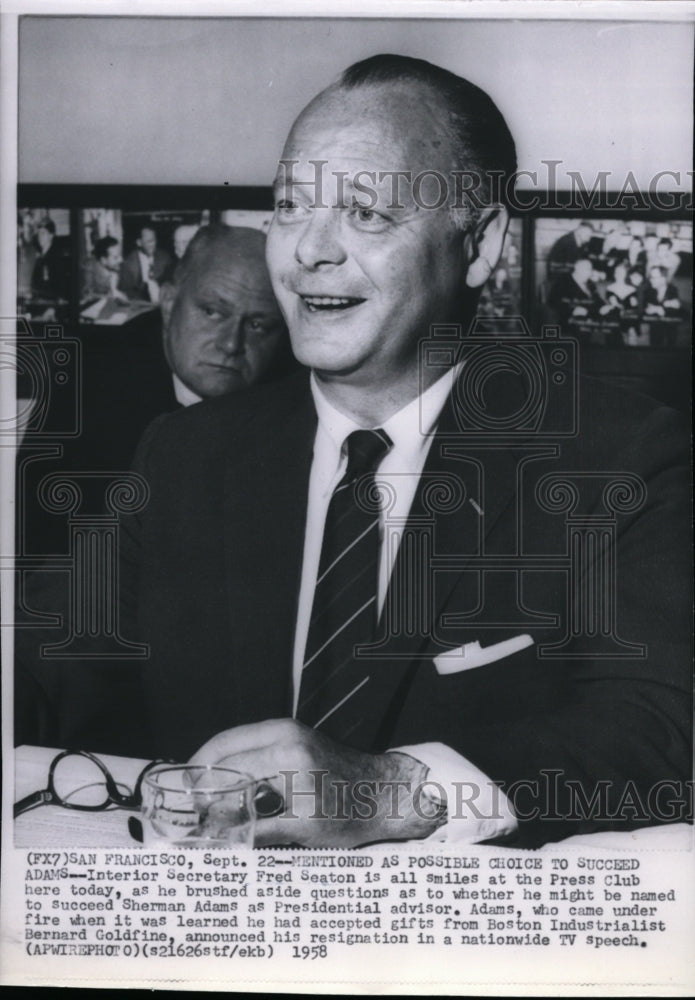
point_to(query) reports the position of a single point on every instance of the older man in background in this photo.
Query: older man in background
(221, 331)
(222, 327)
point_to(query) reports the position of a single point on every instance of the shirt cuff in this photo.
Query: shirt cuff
(477, 809)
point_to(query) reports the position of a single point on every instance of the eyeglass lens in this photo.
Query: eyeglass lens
(78, 781)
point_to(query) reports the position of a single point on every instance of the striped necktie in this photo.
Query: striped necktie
(344, 614)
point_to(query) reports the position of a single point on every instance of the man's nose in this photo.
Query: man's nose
(320, 241)
(230, 336)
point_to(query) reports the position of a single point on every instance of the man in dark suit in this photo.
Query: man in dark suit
(373, 581)
(143, 268)
(49, 280)
(486, 669)
(221, 331)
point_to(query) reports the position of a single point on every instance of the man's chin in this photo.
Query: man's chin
(220, 386)
(326, 355)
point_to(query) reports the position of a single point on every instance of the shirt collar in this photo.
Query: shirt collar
(410, 428)
(184, 395)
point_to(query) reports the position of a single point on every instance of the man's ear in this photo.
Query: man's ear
(167, 297)
(485, 245)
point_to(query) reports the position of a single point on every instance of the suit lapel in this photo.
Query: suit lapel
(462, 493)
(268, 474)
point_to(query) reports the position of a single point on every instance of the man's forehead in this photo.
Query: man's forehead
(229, 248)
(223, 269)
(403, 120)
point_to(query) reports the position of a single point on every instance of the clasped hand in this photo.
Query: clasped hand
(335, 796)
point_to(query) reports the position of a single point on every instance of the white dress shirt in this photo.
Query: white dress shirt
(411, 430)
(184, 395)
(146, 264)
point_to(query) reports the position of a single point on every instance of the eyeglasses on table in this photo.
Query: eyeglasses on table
(78, 780)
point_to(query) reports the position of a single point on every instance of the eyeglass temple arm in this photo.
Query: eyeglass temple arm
(131, 800)
(31, 801)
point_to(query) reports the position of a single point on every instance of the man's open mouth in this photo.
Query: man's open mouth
(332, 303)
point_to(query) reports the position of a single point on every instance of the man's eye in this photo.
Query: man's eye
(211, 312)
(256, 325)
(367, 218)
(285, 208)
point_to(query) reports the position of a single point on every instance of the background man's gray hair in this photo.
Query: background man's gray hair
(233, 239)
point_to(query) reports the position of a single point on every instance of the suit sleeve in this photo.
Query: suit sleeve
(84, 701)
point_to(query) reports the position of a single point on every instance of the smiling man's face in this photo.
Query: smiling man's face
(361, 283)
(225, 327)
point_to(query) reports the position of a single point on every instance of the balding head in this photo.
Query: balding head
(455, 112)
(235, 246)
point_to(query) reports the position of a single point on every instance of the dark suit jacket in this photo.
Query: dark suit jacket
(49, 276)
(131, 275)
(211, 572)
(122, 386)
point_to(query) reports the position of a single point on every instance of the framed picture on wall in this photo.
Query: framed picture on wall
(616, 282)
(44, 263)
(127, 255)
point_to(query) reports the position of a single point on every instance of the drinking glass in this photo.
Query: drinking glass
(193, 805)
